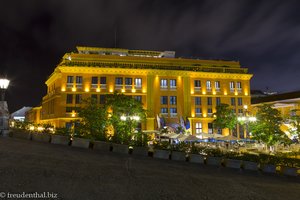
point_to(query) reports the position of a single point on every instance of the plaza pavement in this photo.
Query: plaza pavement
(74, 173)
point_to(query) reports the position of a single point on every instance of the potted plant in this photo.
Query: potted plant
(250, 161)
(21, 133)
(101, 142)
(140, 144)
(232, 160)
(61, 136)
(120, 142)
(268, 162)
(195, 155)
(213, 156)
(80, 138)
(162, 150)
(289, 165)
(178, 151)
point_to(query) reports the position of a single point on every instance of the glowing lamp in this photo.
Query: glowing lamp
(133, 90)
(123, 90)
(111, 90)
(123, 118)
(63, 89)
(73, 89)
(87, 90)
(98, 90)
(4, 83)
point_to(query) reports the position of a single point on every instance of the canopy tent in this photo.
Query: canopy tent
(228, 138)
(191, 138)
(203, 135)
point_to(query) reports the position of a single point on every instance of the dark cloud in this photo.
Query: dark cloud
(262, 35)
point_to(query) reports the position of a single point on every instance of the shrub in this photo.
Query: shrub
(182, 146)
(197, 149)
(162, 145)
(213, 152)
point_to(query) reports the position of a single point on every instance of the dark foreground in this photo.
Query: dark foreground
(72, 173)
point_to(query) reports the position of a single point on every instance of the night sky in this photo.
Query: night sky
(263, 35)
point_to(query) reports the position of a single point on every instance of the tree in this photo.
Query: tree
(294, 120)
(225, 117)
(93, 120)
(125, 114)
(267, 126)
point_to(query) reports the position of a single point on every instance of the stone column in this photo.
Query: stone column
(4, 117)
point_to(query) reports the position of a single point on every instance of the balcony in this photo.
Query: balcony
(94, 86)
(118, 87)
(103, 86)
(197, 89)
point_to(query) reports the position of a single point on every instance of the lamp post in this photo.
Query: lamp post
(246, 119)
(4, 113)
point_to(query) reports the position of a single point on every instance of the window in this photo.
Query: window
(208, 85)
(240, 111)
(218, 101)
(164, 111)
(231, 86)
(119, 81)
(69, 109)
(138, 82)
(102, 80)
(232, 101)
(138, 98)
(173, 100)
(78, 98)
(198, 127)
(197, 84)
(69, 99)
(197, 100)
(128, 81)
(70, 81)
(209, 101)
(79, 81)
(163, 84)
(209, 112)
(198, 111)
(217, 85)
(102, 99)
(210, 128)
(239, 86)
(164, 100)
(94, 82)
(173, 112)
(94, 96)
(240, 101)
(172, 84)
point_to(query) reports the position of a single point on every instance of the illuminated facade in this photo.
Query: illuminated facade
(287, 103)
(167, 86)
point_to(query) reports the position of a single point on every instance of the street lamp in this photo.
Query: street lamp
(4, 113)
(246, 119)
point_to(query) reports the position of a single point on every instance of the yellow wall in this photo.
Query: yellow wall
(54, 103)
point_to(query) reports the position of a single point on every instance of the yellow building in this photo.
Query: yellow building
(287, 103)
(167, 86)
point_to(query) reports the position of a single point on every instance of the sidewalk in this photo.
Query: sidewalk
(73, 173)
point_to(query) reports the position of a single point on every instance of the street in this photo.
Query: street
(74, 173)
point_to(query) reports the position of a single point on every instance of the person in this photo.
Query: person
(226, 144)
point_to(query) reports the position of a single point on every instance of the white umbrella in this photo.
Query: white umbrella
(191, 138)
(203, 135)
(228, 137)
(214, 135)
